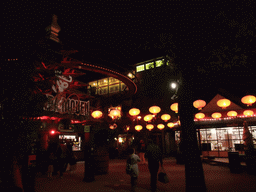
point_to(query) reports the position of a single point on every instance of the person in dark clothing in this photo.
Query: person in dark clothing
(59, 163)
(154, 156)
(88, 164)
(141, 149)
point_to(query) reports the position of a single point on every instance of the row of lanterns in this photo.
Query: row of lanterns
(199, 104)
(154, 110)
(223, 103)
(229, 114)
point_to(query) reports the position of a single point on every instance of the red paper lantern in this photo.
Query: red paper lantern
(160, 126)
(154, 109)
(138, 127)
(134, 111)
(174, 107)
(96, 114)
(248, 99)
(170, 125)
(199, 104)
(216, 115)
(149, 127)
(166, 117)
(223, 103)
(232, 113)
(200, 115)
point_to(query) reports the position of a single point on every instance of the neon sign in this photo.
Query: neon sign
(68, 106)
(62, 82)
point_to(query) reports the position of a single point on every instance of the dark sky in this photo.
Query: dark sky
(121, 33)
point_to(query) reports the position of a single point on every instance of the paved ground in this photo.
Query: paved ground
(217, 178)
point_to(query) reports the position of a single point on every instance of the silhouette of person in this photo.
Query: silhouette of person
(154, 156)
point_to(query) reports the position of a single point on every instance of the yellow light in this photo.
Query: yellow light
(134, 111)
(170, 125)
(199, 104)
(174, 107)
(139, 117)
(148, 117)
(130, 75)
(160, 126)
(149, 127)
(216, 115)
(223, 103)
(248, 113)
(200, 115)
(248, 99)
(96, 114)
(154, 109)
(232, 113)
(165, 117)
(113, 126)
(138, 127)
(115, 113)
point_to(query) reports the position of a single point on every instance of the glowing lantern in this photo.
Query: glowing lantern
(199, 104)
(165, 117)
(248, 99)
(154, 109)
(113, 126)
(232, 113)
(149, 127)
(248, 112)
(160, 126)
(223, 103)
(138, 127)
(174, 107)
(134, 111)
(200, 115)
(216, 115)
(114, 113)
(96, 114)
(170, 125)
(148, 117)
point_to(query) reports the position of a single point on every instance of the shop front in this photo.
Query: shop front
(218, 141)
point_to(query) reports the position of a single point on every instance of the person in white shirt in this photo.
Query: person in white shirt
(133, 159)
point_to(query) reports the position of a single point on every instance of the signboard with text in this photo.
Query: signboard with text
(64, 105)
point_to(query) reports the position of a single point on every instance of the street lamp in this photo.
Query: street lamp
(173, 85)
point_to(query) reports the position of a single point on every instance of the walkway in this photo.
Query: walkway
(217, 178)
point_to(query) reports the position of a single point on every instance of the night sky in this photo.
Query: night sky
(122, 33)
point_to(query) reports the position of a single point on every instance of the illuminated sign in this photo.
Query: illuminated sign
(67, 106)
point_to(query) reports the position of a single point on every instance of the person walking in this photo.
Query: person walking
(142, 150)
(132, 160)
(58, 165)
(154, 156)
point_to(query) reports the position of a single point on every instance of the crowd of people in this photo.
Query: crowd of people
(154, 155)
(59, 156)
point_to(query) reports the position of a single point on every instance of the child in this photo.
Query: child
(133, 159)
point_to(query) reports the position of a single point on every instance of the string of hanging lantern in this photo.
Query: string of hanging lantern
(151, 120)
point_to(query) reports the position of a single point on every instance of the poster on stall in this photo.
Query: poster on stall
(87, 128)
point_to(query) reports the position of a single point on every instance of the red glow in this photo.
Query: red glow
(54, 118)
(44, 65)
(52, 132)
(41, 76)
(44, 117)
(75, 121)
